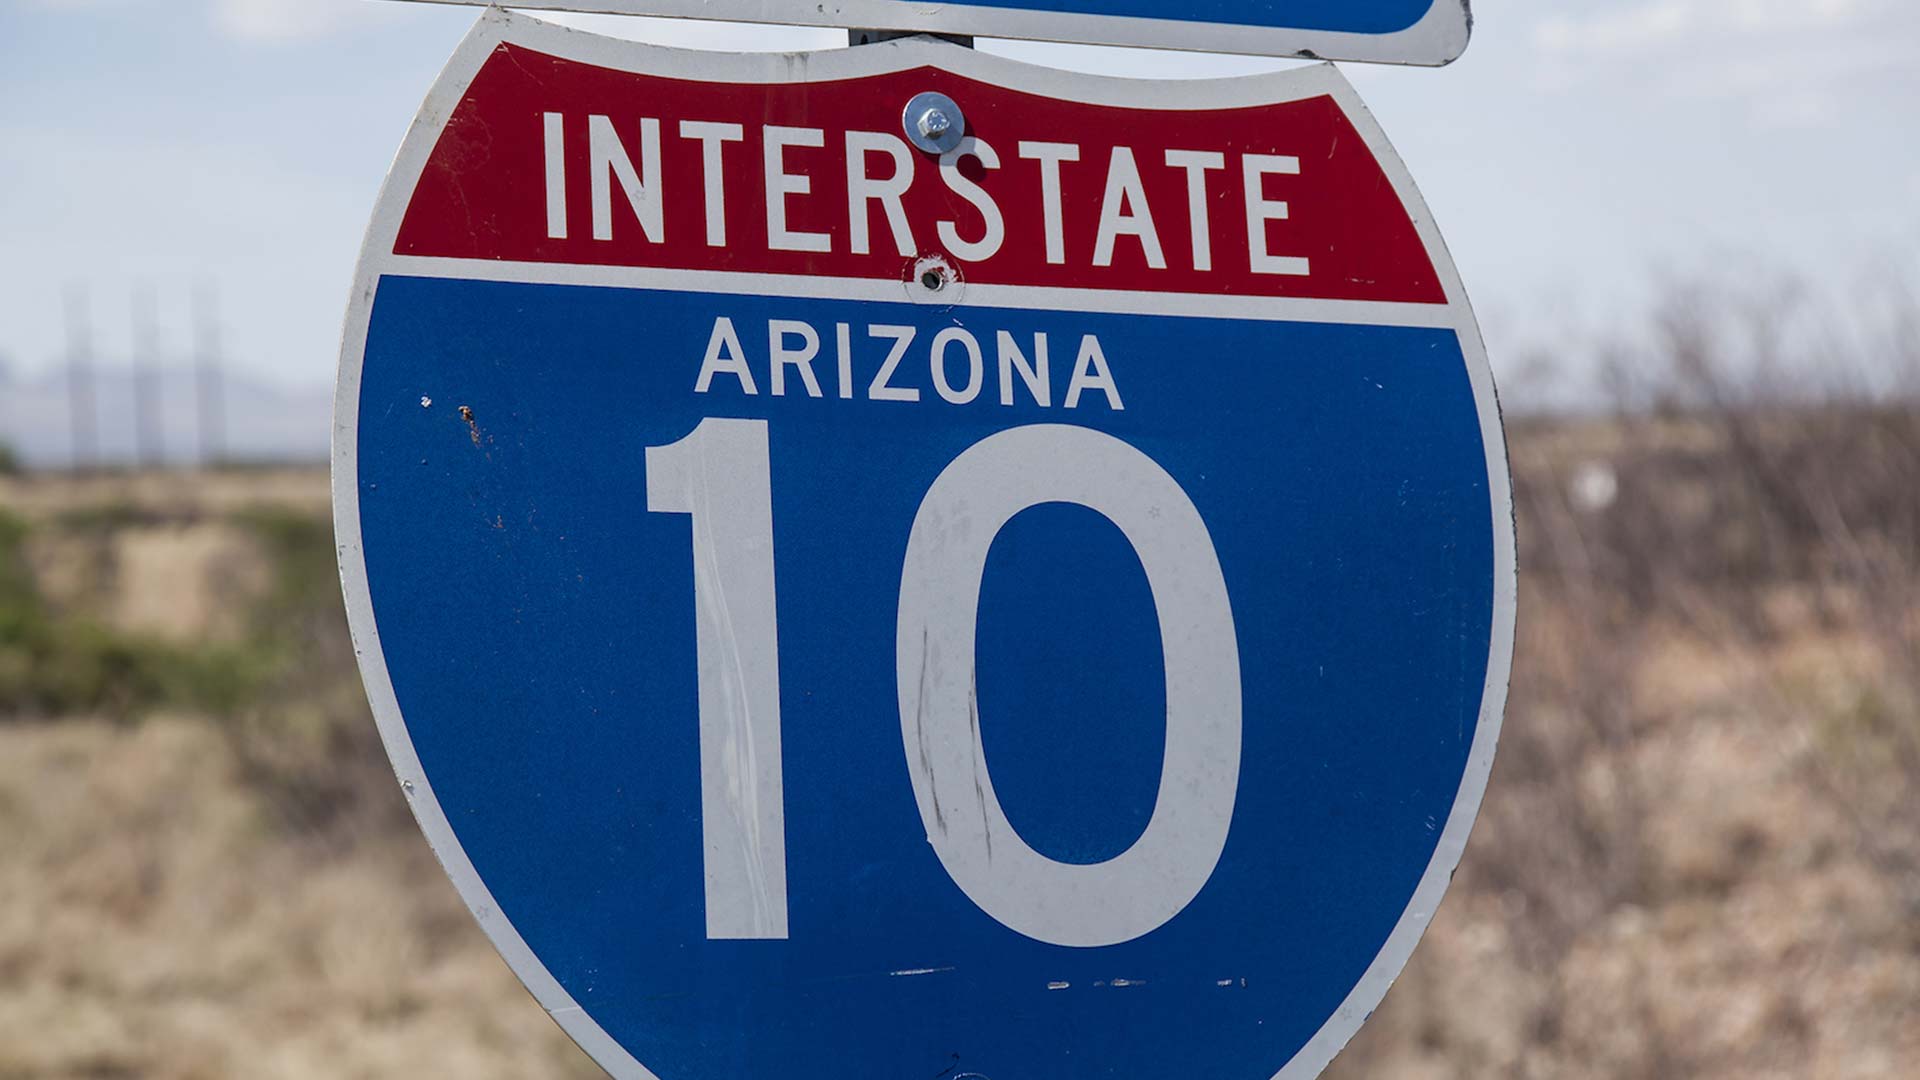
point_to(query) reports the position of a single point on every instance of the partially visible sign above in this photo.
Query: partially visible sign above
(1426, 32)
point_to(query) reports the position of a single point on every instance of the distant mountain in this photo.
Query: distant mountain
(262, 422)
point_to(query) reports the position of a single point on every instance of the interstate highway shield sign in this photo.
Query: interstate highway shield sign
(1035, 611)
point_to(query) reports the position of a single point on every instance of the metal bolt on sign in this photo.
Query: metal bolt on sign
(933, 122)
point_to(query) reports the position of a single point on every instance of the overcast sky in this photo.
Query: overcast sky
(1579, 155)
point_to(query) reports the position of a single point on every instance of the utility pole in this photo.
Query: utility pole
(209, 382)
(83, 416)
(149, 445)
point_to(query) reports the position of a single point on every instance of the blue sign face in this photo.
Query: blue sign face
(957, 675)
(1375, 17)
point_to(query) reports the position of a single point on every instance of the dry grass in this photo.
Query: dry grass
(1700, 853)
(231, 893)
(159, 923)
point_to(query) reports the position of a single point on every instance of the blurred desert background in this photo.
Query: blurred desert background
(1699, 855)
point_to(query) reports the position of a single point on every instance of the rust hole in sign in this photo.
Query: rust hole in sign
(473, 429)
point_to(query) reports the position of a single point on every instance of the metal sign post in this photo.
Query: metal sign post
(892, 561)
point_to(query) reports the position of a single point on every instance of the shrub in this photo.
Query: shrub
(54, 665)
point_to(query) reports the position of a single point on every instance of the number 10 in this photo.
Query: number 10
(720, 475)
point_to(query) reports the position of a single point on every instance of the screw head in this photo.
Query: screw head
(933, 122)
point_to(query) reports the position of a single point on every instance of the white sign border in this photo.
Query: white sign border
(376, 259)
(1437, 39)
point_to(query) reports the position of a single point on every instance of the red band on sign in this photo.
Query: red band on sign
(551, 160)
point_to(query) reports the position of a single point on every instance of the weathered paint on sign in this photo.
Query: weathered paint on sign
(1037, 611)
(1425, 32)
